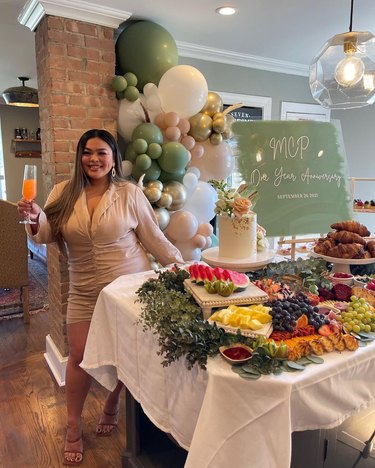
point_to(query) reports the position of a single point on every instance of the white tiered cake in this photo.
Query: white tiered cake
(238, 237)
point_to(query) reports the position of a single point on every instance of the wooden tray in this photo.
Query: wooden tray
(251, 295)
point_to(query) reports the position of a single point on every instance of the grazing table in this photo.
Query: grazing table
(219, 418)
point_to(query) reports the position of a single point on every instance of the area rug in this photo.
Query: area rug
(10, 299)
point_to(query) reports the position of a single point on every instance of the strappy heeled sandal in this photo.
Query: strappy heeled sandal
(73, 452)
(107, 419)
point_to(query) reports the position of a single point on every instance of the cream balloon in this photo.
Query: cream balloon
(183, 89)
(178, 194)
(182, 226)
(199, 241)
(202, 202)
(127, 168)
(217, 162)
(163, 217)
(205, 229)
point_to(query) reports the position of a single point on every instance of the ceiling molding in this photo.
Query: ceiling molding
(195, 51)
(34, 10)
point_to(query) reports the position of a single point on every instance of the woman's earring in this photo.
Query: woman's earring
(113, 171)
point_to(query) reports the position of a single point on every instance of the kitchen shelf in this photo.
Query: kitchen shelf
(24, 148)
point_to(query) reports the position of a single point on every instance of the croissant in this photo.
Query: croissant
(352, 226)
(371, 247)
(323, 245)
(346, 237)
(346, 251)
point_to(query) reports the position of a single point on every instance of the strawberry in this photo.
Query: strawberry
(324, 330)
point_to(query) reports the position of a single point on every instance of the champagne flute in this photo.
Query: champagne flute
(29, 189)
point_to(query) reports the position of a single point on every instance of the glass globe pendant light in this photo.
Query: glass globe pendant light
(342, 74)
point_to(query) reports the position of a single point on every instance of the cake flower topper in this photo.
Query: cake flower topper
(234, 202)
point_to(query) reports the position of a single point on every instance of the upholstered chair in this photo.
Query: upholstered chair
(13, 254)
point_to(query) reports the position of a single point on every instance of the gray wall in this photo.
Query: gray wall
(358, 125)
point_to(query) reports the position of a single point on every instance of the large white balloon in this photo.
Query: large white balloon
(182, 226)
(202, 202)
(217, 162)
(183, 89)
(131, 114)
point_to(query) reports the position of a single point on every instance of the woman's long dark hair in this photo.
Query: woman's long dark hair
(59, 211)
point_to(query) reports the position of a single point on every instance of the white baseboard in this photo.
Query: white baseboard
(56, 362)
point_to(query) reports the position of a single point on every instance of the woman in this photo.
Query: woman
(104, 223)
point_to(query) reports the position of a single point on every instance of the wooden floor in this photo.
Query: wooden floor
(32, 405)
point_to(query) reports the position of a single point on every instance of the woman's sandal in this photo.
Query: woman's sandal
(73, 452)
(107, 424)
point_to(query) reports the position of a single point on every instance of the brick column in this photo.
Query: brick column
(75, 65)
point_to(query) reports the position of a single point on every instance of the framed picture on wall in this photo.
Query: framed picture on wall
(253, 107)
(298, 111)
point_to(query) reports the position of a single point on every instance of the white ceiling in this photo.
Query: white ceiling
(289, 31)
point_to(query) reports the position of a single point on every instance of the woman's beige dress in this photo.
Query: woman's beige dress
(109, 245)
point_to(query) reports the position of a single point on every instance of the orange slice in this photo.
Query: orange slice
(302, 321)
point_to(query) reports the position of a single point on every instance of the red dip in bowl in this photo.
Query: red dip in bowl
(237, 353)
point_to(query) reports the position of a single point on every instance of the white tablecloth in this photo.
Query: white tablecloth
(222, 419)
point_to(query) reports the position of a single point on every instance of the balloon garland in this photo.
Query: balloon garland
(176, 132)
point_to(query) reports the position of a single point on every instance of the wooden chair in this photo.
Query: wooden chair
(13, 254)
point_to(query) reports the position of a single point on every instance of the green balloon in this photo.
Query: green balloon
(119, 83)
(143, 162)
(149, 132)
(174, 157)
(131, 79)
(153, 172)
(147, 50)
(154, 151)
(140, 146)
(131, 93)
(130, 154)
(169, 176)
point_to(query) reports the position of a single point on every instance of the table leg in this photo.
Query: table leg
(146, 445)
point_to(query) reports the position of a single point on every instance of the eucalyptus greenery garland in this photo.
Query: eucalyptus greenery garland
(173, 315)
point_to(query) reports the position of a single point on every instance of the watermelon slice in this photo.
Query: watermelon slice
(193, 272)
(218, 273)
(240, 280)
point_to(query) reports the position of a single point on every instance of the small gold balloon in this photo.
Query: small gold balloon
(216, 138)
(178, 193)
(152, 193)
(165, 201)
(219, 124)
(200, 126)
(213, 104)
(156, 184)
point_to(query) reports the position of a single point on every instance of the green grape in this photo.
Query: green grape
(356, 306)
(373, 327)
(367, 328)
(361, 310)
(362, 300)
(356, 328)
(140, 146)
(362, 326)
(353, 298)
(348, 327)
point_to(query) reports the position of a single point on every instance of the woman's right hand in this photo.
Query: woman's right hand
(25, 206)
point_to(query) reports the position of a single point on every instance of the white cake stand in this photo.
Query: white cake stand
(342, 265)
(211, 256)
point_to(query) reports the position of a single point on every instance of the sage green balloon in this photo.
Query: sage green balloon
(153, 172)
(174, 157)
(170, 176)
(149, 132)
(147, 50)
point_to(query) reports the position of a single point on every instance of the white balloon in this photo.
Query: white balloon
(153, 103)
(190, 181)
(202, 202)
(182, 226)
(149, 89)
(188, 251)
(131, 114)
(183, 89)
(127, 168)
(195, 171)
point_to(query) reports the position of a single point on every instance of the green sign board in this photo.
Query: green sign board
(299, 169)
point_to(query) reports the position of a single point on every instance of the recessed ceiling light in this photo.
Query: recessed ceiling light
(226, 10)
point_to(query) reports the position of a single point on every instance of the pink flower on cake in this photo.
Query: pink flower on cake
(241, 207)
